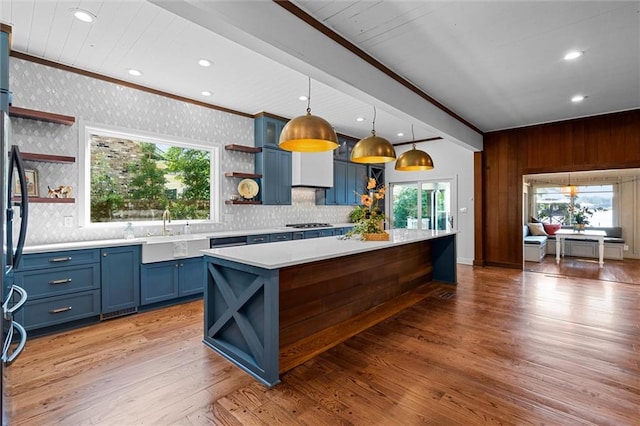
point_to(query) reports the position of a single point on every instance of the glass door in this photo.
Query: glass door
(422, 205)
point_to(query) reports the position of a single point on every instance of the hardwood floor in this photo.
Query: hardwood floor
(623, 271)
(503, 347)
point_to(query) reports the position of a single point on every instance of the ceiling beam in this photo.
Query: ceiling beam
(269, 29)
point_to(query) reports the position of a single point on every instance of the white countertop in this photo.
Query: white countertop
(289, 253)
(89, 244)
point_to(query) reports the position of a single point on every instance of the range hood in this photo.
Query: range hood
(312, 169)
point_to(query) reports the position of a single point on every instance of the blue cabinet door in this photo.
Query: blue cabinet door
(191, 276)
(120, 278)
(267, 131)
(275, 167)
(356, 182)
(159, 281)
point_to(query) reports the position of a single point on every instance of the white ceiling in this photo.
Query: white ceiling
(496, 64)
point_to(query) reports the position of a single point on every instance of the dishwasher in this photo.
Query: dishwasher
(228, 242)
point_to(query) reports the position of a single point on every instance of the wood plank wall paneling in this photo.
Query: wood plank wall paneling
(316, 296)
(610, 141)
(478, 207)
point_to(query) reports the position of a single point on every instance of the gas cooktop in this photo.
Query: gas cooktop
(309, 225)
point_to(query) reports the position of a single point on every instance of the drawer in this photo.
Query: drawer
(285, 236)
(258, 239)
(55, 281)
(59, 309)
(59, 258)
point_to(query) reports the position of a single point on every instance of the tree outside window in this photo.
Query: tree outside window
(134, 180)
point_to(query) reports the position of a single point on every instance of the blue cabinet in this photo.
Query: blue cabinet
(349, 179)
(284, 236)
(258, 239)
(162, 281)
(62, 287)
(120, 278)
(267, 131)
(272, 163)
(317, 233)
(275, 167)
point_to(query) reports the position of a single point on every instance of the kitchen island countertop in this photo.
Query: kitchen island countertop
(288, 253)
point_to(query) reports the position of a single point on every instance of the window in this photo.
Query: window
(429, 201)
(135, 177)
(560, 204)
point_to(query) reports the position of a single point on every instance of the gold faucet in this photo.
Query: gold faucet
(166, 218)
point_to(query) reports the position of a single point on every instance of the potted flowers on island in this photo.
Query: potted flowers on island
(368, 219)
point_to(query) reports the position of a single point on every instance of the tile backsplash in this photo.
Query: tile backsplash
(90, 100)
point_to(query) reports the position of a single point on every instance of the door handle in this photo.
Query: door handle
(59, 259)
(60, 310)
(23, 298)
(8, 359)
(63, 281)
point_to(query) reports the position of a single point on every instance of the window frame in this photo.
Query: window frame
(615, 196)
(84, 182)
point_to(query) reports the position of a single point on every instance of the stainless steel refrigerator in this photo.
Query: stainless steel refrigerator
(13, 297)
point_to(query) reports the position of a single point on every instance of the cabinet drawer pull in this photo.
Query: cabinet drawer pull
(60, 259)
(258, 239)
(60, 310)
(64, 281)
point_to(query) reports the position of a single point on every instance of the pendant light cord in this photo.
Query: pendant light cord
(373, 123)
(309, 98)
(413, 137)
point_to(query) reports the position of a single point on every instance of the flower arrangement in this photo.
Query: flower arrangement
(581, 216)
(368, 219)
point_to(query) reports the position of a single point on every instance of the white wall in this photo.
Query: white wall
(49, 89)
(451, 161)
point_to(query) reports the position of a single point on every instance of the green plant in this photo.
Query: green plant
(581, 214)
(356, 214)
(368, 218)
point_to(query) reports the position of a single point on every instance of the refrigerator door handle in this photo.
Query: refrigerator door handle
(8, 359)
(16, 160)
(23, 298)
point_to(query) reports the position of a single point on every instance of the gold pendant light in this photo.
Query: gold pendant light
(414, 159)
(373, 149)
(308, 133)
(570, 190)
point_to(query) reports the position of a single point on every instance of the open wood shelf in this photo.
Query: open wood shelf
(243, 175)
(47, 158)
(47, 200)
(32, 114)
(243, 148)
(242, 202)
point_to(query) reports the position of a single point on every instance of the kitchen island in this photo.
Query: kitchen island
(271, 307)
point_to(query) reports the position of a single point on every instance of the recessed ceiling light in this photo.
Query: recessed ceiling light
(360, 119)
(206, 93)
(303, 98)
(135, 72)
(574, 54)
(578, 98)
(400, 134)
(204, 63)
(83, 15)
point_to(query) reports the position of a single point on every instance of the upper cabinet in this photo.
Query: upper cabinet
(275, 167)
(267, 130)
(272, 163)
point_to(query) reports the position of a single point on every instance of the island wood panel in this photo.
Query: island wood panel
(603, 142)
(319, 295)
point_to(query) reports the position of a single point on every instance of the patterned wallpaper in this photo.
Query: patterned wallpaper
(48, 89)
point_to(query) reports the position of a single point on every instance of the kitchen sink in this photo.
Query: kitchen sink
(170, 247)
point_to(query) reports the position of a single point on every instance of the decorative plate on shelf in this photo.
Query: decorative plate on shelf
(248, 188)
